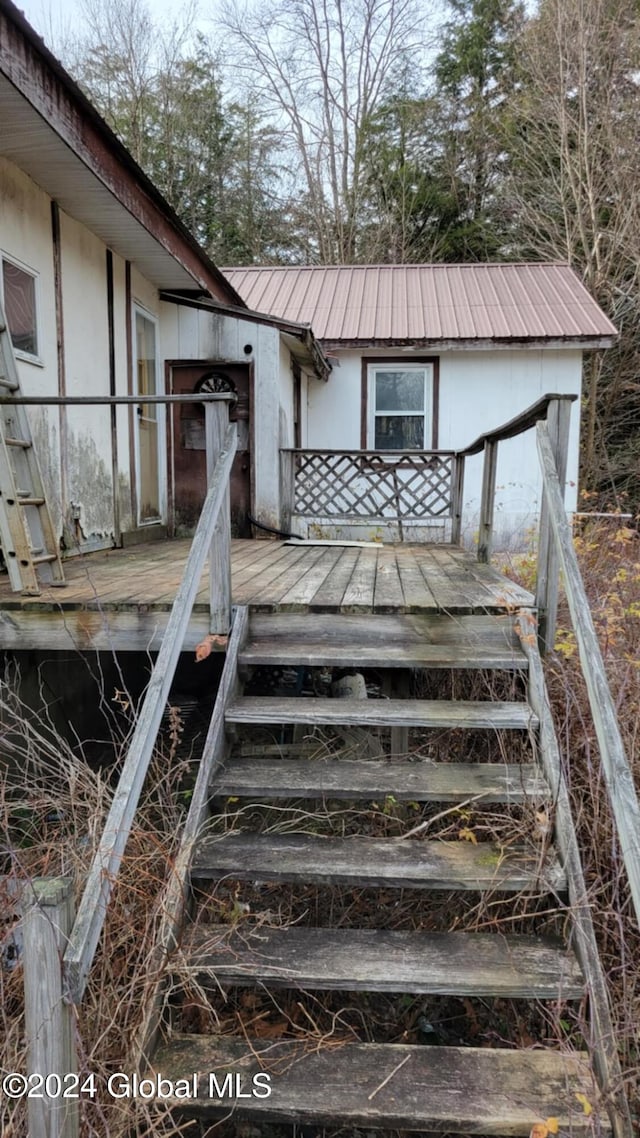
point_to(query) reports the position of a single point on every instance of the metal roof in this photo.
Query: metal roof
(379, 304)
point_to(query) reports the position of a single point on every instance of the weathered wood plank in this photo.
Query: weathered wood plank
(359, 592)
(371, 861)
(412, 638)
(104, 867)
(48, 906)
(487, 499)
(175, 899)
(448, 964)
(331, 592)
(605, 1051)
(388, 595)
(464, 1090)
(615, 765)
(216, 425)
(382, 712)
(354, 779)
(548, 576)
(303, 591)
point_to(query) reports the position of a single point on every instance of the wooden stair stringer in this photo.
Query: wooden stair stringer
(603, 1048)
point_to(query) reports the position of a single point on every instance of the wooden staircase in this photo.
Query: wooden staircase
(452, 1087)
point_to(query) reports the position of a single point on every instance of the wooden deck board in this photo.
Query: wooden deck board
(132, 588)
(357, 780)
(458, 963)
(469, 1090)
(371, 862)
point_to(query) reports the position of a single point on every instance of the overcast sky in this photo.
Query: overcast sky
(53, 18)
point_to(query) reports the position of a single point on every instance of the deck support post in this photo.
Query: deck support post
(548, 570)
(216, 424)
(489, 470)
(48, 911)
(457, 492)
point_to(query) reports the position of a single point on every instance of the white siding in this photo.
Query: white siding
(86, 337)
(25, 233)
(478, 391)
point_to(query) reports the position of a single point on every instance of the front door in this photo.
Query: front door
(187, 444)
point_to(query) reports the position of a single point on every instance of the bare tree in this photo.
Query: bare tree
(574, 190)
(323, 66)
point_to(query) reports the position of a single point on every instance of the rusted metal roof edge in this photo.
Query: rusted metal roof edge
(302, 332)
(480, 343)
(137, 182)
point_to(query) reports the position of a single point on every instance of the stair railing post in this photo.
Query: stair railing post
(287, 488)
(548, 570)
(48, 912)
(216, 423)
(487, 500)
(457, 492)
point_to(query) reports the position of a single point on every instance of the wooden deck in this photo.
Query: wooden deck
(120, 600)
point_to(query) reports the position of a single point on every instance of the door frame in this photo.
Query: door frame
(205, 364)
(139, 309)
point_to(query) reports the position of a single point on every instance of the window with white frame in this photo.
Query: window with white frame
(400, 406)
(19, 292)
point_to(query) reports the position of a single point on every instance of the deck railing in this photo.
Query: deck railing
(375, 487)
(47, 984)
(556, 553)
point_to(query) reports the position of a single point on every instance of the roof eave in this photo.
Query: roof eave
(43, 82)
(585, 343)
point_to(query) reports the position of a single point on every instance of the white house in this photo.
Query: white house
(432, 356)
(107, 293)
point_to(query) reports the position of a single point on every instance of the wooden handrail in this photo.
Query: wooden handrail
(522, 422)
(92, 909)
(615, 765)
(364, 453)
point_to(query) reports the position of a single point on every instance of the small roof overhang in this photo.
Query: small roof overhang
(299, 338)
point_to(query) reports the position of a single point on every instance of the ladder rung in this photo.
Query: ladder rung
(42, 557)
(24, 443)
(27, 500)
(4, 382)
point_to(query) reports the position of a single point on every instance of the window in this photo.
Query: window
(400, 406)
(19, 292)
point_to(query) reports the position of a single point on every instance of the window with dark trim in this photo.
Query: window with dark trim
(400, 406)
(19, 293)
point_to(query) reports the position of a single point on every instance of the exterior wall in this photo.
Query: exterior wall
(194, 334)
(477, 391)
(88, 462)
(75, 444)
(25, 233)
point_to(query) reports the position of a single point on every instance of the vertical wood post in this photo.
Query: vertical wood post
(216, 423)
(548, 571)
(48, 911)
(489, 470)
(287, 488)
(457, 493)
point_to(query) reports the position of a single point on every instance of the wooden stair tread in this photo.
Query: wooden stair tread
(458, 963)
(359, 861)
(381, 712)
(451, 1089)
(411, 641)
(358, 779)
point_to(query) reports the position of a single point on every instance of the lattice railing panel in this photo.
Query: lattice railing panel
(412, 486)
